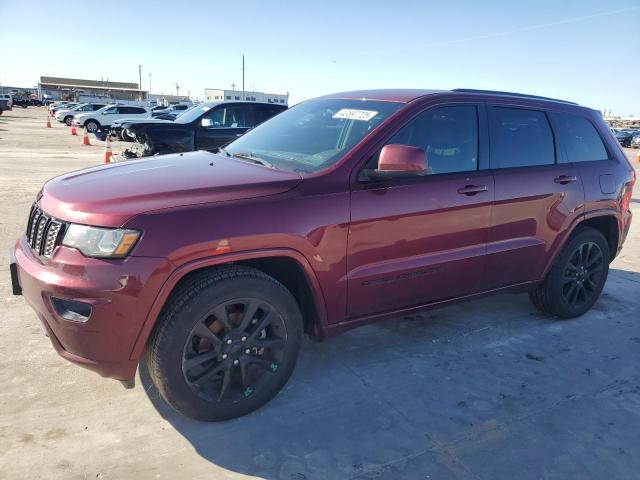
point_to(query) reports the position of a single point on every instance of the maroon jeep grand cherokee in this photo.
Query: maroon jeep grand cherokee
(343, 210)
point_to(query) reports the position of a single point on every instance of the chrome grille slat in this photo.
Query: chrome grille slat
(43, 232)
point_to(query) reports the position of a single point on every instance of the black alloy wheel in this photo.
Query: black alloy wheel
(234, 350)
(582, 274)
(577, 277)
(226, 343)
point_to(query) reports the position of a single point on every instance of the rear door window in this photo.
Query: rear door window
(520, 138)
(265, 112)
(577, 138)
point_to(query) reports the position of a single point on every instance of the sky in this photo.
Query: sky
(584, 51)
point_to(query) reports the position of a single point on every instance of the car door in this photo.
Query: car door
(223, 124)
(536, 197)
(263, 112)
(416, 240)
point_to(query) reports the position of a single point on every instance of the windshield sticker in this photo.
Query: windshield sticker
(205, 109)
(353, 114)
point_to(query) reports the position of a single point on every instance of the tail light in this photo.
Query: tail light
(628, 192)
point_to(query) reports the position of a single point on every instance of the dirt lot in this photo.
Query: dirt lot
(484, 390)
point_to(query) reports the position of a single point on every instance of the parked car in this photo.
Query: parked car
(4, 105)
(8, 98)
(35, 102)
(65, 115)
(623, 136)
(117, 131)
(20, 101)
(170, 109)
(340, 211)
(205, 127)
(54, 107)
(635, 139)
(103, 118)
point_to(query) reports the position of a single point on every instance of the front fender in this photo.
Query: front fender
(181, 271)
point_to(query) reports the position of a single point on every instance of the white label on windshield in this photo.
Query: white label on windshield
(205, 109)
(352, 114)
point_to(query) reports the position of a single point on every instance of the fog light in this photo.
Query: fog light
(72, 310)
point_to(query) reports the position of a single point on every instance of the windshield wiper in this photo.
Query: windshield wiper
(223, 150)
(252, 158)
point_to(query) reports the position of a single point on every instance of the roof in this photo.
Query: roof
(79, 83)
(408, 95)
(386, 95)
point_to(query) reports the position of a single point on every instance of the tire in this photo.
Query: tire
(92, 126)
(68, 119)
(126, 136)
(569, 290)
(190, 368)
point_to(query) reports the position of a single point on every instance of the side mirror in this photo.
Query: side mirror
(206, 123)
(400, 161)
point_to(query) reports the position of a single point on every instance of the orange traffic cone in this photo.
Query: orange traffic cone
(48, 122)
(638, 156)
(107, 150)
(85, 138)
(73, 128)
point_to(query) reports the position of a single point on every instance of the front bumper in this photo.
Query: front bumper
(120, 293)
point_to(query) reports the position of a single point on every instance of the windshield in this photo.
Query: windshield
(192, 114)
(313, 135)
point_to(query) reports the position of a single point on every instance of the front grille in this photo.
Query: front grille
(43, 232)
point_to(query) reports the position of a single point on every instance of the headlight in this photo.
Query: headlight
(100, 242)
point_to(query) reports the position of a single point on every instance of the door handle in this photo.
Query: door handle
(564, 179)
(472, 189)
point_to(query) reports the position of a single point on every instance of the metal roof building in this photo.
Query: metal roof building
(56, 88)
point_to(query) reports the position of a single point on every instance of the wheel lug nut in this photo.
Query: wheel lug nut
(254, 321)
(229, 342)
(244, 339)
(236, 362)
(224, 356)
(247, 351)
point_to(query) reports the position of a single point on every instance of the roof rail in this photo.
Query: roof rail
(510, 94)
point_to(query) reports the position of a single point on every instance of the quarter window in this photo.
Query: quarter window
(578, 138)
(520, 138)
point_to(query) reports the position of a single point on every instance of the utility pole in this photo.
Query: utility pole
(243, 77)
(140, 76)
(177, 89)
(149, 82)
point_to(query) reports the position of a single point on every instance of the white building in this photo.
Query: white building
(216, 94)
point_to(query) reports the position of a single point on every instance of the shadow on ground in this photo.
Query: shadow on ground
(485, 389)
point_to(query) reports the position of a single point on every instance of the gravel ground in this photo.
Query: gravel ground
(488, 389)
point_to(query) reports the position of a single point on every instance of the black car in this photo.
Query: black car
(205, 127)
(624, 136)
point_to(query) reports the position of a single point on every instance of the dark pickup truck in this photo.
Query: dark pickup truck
(208, 126)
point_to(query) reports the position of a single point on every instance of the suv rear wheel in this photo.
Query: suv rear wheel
(225, 344)
(577, 277)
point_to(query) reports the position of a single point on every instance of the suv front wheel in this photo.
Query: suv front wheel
(577, 277)
(225, 344)
(92, 126)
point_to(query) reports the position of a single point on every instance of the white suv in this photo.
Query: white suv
(6, 96)
(103, 118)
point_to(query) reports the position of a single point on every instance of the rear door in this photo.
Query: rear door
(417, 240)
(536, 196)
(223, 124)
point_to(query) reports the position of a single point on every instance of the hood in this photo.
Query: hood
(112, 194)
